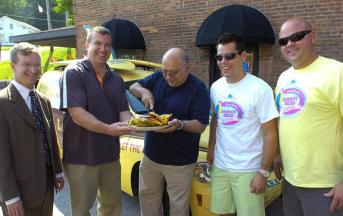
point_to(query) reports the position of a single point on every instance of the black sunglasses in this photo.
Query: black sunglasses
(227, 56)
(294, 38)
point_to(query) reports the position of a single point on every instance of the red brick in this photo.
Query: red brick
(169, 23)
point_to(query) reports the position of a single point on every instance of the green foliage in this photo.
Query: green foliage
(60, 53)
(12, 7)
(5, 48)
(65, 6)
(5, 70)
(27, 11)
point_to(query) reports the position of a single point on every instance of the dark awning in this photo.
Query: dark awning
(125, 34)
(62, 37)
(242, 20)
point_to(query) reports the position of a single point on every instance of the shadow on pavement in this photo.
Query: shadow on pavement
(130, 205)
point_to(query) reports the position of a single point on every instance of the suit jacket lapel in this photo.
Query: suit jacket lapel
(19, 105)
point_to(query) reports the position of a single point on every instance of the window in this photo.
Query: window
(11, 26)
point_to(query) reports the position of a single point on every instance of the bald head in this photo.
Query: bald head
(176, 53)
(297, 42)
(297, 22)
(175, 67)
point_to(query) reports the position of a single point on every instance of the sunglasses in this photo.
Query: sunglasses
(227, 56)
(294, 38)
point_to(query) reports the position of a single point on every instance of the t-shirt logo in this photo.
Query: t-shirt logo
(229, 113)
(291, 101)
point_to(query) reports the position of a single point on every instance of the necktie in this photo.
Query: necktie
(37, 115)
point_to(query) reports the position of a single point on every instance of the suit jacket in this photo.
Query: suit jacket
(23, 169)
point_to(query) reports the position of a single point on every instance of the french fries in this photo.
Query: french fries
(150, 120)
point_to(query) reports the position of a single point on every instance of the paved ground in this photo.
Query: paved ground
(130, 205)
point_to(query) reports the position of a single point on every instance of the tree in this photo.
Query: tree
(57, 20)
(10, 7)
(65, 6)
(27, 11)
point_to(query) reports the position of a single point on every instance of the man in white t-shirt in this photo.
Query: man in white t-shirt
(243, 134)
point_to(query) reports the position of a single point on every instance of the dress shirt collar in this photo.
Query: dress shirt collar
(24, 92)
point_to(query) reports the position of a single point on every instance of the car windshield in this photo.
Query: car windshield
(49, 86)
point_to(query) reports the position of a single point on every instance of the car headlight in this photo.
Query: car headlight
(203, 172)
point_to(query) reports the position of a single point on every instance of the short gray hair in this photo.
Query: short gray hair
(22, 48)
(98, 29)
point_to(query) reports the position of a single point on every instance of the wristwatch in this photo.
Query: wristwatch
(181, 126)
(264, 173)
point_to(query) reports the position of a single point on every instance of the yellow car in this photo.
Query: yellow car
(131, 147)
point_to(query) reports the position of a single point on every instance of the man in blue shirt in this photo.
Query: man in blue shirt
(170, 154)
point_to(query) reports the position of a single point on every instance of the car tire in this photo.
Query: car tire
(135, 179)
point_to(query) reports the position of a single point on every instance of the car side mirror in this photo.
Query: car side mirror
(135, 104)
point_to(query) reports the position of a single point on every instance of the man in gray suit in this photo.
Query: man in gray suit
(30, 164)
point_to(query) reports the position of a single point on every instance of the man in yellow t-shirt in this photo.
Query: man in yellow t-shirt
(309, 96)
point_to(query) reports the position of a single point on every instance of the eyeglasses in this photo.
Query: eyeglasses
(172, 73)
(27, 65)
(227, 56)
(100, 44)
(293, 37)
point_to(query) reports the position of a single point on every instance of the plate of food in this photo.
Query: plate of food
(155, 128)
(150, 122)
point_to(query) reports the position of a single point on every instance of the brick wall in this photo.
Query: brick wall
(170, 23)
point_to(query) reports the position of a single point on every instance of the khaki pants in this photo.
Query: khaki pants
(89, 182)
(152, 177)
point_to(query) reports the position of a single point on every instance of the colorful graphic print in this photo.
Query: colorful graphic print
(290, 101)
(229, 113)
